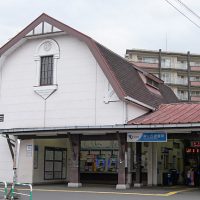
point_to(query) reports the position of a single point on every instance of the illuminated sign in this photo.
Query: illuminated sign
(196, 144)
(147, 137)
(192, 150)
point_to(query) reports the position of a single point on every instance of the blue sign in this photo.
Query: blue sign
(147, 137)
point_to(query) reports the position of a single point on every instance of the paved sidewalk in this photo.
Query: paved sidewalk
(108, 192)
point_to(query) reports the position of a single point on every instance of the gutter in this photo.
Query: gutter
(139, 103)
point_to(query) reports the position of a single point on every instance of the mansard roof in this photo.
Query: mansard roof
(122, 75)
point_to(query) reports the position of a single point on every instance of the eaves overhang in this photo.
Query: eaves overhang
(130, 99)
(106, 129)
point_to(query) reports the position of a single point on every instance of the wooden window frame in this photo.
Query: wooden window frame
(46, 70)
(54, 149)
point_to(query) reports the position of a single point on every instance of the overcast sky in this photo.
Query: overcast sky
(117, 24)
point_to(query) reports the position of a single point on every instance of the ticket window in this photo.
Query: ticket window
(55, 163)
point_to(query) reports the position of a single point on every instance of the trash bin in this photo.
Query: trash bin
(174, 176)
(167, 178)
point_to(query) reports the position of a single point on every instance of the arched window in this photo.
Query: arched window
(46, 56)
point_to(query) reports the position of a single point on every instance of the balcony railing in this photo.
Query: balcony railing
(182, 96)
(181, 66)
(174, 66)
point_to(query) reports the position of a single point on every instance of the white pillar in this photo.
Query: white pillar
(155, 164)
(152, 164)
(130, 163)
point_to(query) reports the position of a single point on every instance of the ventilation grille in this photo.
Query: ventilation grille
(1, 117)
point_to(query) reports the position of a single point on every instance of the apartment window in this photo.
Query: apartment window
(195, 93)
(195, 78)
(165, 63)
(166, 77)
(148, 59)
(182, 80)
(183, 95)
(181, 64)
(46, 70)
(195, 64)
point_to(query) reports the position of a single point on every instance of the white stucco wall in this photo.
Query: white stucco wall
(79, 99)
(25, 162)
(134, 111)
(6, 163)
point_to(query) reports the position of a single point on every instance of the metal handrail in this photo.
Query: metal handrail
(30, 195)
(5, 189)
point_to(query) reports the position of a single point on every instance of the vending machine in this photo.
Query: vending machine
(100, 163)
(89, 163)
(112, 163)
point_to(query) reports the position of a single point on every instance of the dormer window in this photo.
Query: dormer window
(46, 70)
(152, 83)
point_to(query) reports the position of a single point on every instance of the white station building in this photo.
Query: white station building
(69, 101)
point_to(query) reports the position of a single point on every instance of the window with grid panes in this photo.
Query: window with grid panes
(46, 70)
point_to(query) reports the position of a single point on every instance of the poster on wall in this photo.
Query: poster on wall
(35, 156)
(147, 137)
(29, 150)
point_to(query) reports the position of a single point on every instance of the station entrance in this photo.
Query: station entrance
(176, 162)
(179, 160)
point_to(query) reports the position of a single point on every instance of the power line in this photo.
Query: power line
(183, 14)
(189, 9)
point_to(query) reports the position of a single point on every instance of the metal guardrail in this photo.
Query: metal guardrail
(30, 195)
(5, 189)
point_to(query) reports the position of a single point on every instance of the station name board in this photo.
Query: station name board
(147, 137)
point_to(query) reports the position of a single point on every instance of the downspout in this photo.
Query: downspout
(125, 121)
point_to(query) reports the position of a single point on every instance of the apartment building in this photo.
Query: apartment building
(181, 71)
